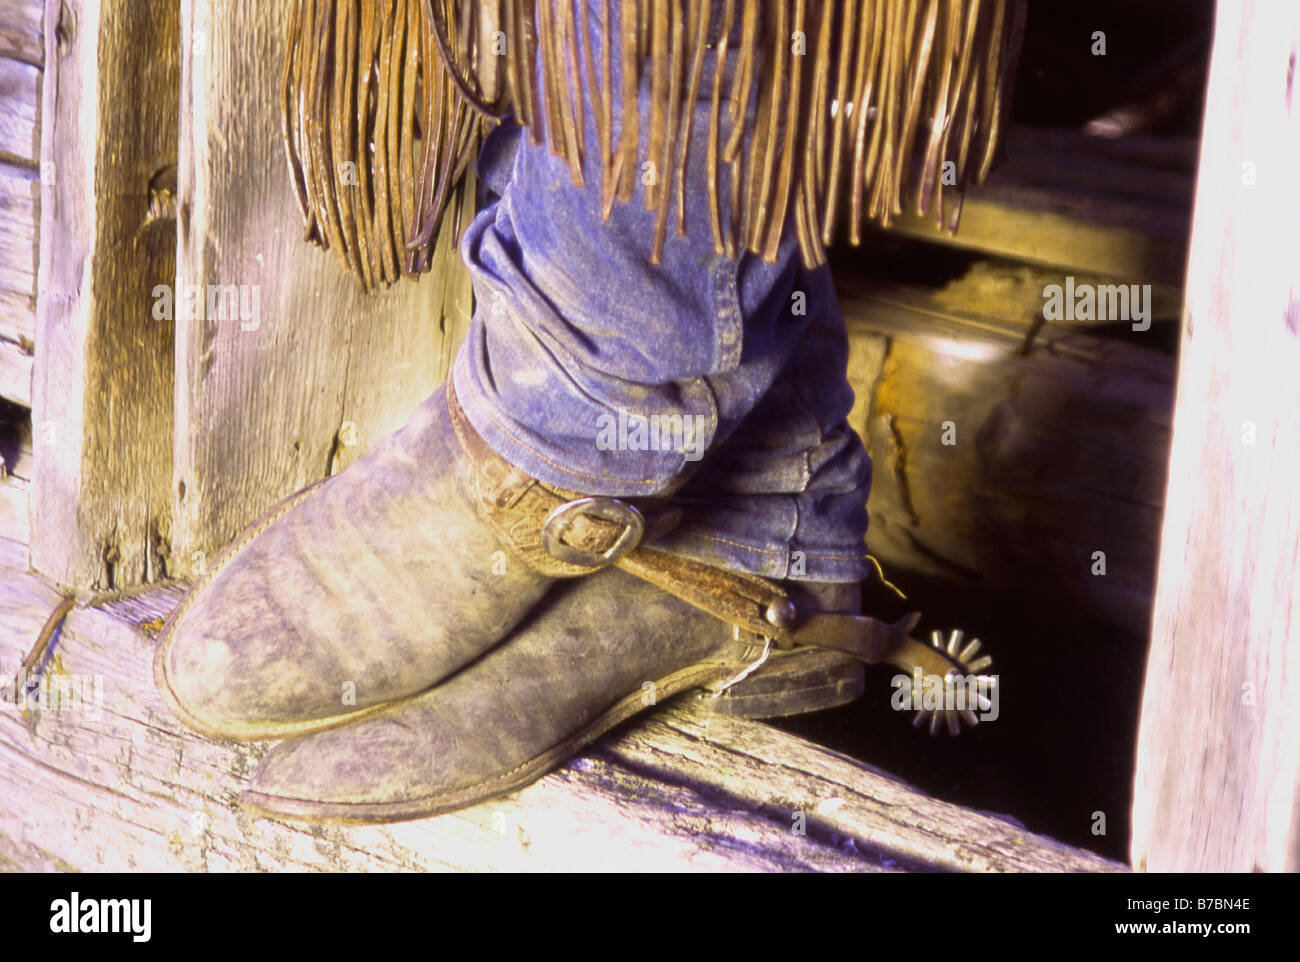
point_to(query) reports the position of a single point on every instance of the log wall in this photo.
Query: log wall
(267, 405)
(22, 62)
(102, 389)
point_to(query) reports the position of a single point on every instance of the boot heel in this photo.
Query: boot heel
(789, 683)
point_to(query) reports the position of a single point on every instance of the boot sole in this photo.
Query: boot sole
(816, 682)
(791, 683)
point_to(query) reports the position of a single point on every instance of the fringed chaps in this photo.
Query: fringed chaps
(865, 108)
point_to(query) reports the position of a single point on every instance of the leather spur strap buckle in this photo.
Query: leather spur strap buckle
(557, 533)
(563, 523)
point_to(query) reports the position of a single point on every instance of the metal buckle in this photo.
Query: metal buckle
(608, 509)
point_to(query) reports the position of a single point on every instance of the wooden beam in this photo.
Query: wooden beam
(20, 206)
(1218, 763)
(1007, 452)
(20, 101)
(266, 405)
(125, 788)
(102, 388)
(22, 58)
(21, 31)
(15, 373)
(1085, 204)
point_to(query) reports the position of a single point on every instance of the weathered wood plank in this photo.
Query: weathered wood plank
(113, 783)
(19, 215)
(102, 393)
(18, 314)
(21, 58)
(19, 220)
(1006, 455)
(15, 373)
(21, 31)
(266, 407)
(13, 557)
(1070, 201)
(20, 100)
(860, 808)
(1218, 762)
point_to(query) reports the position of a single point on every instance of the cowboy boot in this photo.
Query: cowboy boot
(371, 586)
(592, 655)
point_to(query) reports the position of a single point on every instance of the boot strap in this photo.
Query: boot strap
(763, 608)
(557, 533)
(565, 534)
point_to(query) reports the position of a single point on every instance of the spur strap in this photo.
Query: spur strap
(565, 534)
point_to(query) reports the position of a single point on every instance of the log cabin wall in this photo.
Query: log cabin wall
(268, 404)
(102, 384)
(22, 61)
(143, 196)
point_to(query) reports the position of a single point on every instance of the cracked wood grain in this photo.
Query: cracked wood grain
(102, 380)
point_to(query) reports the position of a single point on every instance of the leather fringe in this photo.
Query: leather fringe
(853, 111)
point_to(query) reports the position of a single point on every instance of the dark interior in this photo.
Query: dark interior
(1064, 748)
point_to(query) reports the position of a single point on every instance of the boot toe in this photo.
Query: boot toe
(231, 664)
(359, 591)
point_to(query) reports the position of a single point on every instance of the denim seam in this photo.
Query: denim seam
(771, 551)
(711, 396)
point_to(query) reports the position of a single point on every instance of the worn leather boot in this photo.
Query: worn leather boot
(371, 586)
(592, 655)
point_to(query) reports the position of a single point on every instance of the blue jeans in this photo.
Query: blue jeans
(719, 381)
